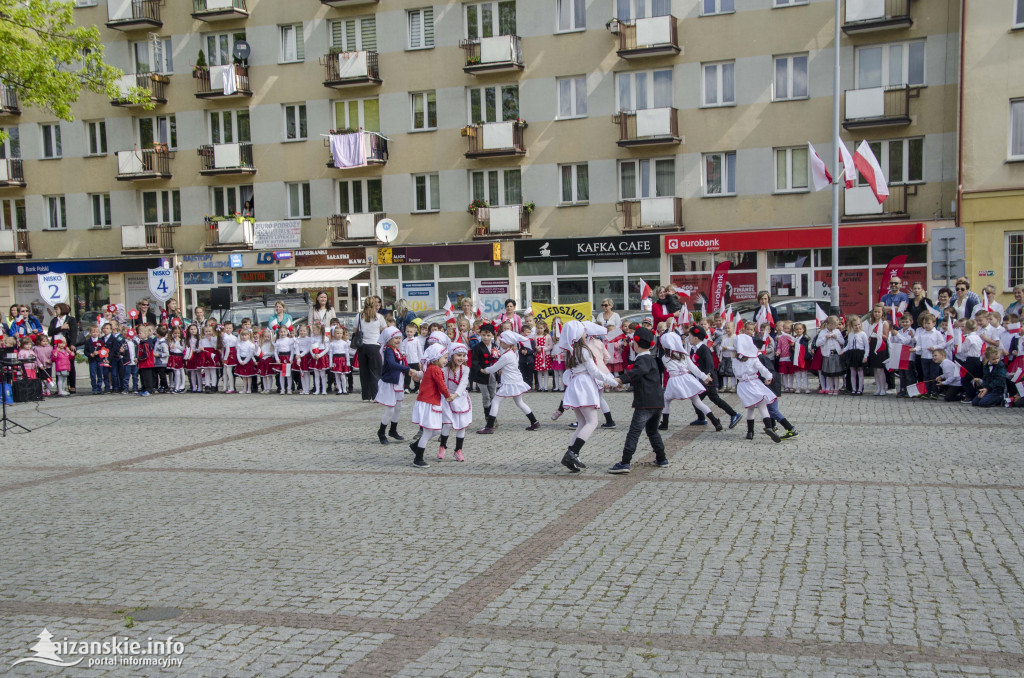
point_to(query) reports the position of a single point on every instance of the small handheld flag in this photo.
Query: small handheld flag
(819, 316)
(918, 389)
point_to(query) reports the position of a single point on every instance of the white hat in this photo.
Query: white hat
(457, 348)
(745, 346)
(386, 335)
(672, 342)
(438, 337)
(594, 330)
(433, 352)
(512, 338)
(571, 333)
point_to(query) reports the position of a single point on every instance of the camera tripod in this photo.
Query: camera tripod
(6, 423)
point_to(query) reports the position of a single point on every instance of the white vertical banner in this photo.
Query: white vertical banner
(53, 288)
(161, 283)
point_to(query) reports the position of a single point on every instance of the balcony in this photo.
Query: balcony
(495, 139)
(229, 234)
(144, 164)
(14, 244)
(860, 204)
(348, 3)
(347, 155)
(230, 81)
(220, 159)
(133, 15)
(12, 173)
(493, 55)
(866, 16)
(878, 107)
(652, 36)
(358, 227)
(649, 127)
(512, 221)
(651, 214)
(350, 69)
(219, 10)
(153, 83)
(147, 238)
(8, 101)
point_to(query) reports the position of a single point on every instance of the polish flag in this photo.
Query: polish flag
(448, 308)
(934, 311)
(704, 309)
(480, 308)
(984, 301)
(721, 309)
(918, 389)
(867, 163)
(764, 316)
(849, 169)
(879, 339)
(739, 323)
(799, 356)
(645, 290)
(728, 315)
(963, 372)
(681, 292)
(899, 360)
(819, 173)
(819, 316)
(684, 315)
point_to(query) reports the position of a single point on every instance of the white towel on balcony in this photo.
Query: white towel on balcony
(224, 77)
(653, 122)
(129, 162)
(505, 219)
(352, 65)
(655, 30)
(498, 135)
(226, 156)
(497, 49)
(348, 150)
(5, 172)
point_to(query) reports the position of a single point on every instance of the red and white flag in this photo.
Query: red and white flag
(985, 304)
(739, 323)
(684, 315)
(448, 308)
(682, 292)
(868, 165)
(799, 356)
(899, 359)
(820, 176)
(879, 339)
(849, 169)
(918, 389)
(819, 316)
(934, 311)
(963, 372)
(728, 315)
(479, 308)
(765, 316)
(645, 290)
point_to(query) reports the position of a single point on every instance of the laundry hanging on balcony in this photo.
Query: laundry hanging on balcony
(348, 150)
(224, 77)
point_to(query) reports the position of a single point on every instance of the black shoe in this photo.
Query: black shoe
(772, 434)
(380, 435)
(715, 422)
(419, 463)
(394, 434)
(576, 459)
(569, 462)
(414, 446)
(750, 435)
(699, 422)
(608, 424)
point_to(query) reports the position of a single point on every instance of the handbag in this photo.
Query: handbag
(357, 336)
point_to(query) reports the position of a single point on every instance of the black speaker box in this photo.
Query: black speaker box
(27, 391)
(220, 298)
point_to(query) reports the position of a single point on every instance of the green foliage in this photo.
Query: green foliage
(201, 60)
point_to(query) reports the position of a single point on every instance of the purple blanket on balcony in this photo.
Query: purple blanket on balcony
(348, 150)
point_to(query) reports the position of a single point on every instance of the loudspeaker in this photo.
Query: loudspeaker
(220, 298)
(27, 390)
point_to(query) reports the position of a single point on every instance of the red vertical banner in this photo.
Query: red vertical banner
(893, 270)
(716, 293)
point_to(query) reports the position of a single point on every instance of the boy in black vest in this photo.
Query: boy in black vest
(648, 401)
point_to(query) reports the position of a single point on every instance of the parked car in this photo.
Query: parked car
(797, 310)
(261, 309)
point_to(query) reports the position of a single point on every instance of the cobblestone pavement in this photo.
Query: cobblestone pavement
(273, 536)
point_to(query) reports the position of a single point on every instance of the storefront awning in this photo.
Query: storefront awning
(319, 277)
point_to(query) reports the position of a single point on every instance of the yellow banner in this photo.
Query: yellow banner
(566, 312)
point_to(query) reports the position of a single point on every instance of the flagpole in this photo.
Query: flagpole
(834, 294)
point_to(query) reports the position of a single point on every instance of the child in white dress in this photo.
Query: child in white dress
(457, 414)
(512, 384)
(685, 380)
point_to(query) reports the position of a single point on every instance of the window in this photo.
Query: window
(791, 77)
(51, 140)
(719, 84)
(719, 174)
(360, 196)
(892, 65)
(161, 207)
(1017, 128)
(1018, 15)
(295, 122)
(12, 214)
(487, 19)
(572, 15)
(655, 178)
(710, 7)
(629, 11)
(638, 90)
(11, 146)
(575, 183)
(902, 160)
(100, 209)
(229, 200)
(56, 213)
(219, 47)
(85, 3)
(427, 188)
(1014, 259)
(790, 170)
(354, 35)
(298, 200)
(497, 187)
(789, 3)
(572, 97)
(96, 132)
(228, 127)
(421, 28)
(161, 129)
(153, 56)
(483, 103)
(292, 46)
(424, 110)
(357, 114)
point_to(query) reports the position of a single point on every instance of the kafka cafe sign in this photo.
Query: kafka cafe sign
(619, 247)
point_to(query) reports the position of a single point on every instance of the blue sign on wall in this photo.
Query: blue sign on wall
(85, 266)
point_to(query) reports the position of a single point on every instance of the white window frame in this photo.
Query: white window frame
(85, 3)
(719, 71)
(50, 132)
(10, 206)
(781, 4)
(360, 112)
(786, 154)
(213, 58)
(886, 49)
(648, 77)
(159, 55)
(425, 95)
(431, 186)
(421, 38)
(350, 186)
(638, 9)
(165, 130)
(11, 146)
(791, 65)
(1018, 19)
(1016, 109)
(571, 171)
(499, 90)
(52, 202)
(645, 173)
(100, 207)
(218, 120)
(501, 174)
(882, 154)
(96, 137)
(299, 199)
(293, 46)
(227, 193)
(362, 43)
(296, 115)
(726, 157)
(571, 16)
(168, 206)
(1008, 267)
(574, 83)
(716, 7)
(495, 28)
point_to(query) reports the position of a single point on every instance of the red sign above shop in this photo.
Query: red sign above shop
(795, 238)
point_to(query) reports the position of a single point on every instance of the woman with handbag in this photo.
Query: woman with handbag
(365, 340)
(65, 326)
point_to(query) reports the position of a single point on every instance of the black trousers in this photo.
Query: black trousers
(369, 370)
(711, 393)
(646, 421)
(146, 377)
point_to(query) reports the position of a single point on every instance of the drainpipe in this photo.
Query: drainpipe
(960, 120)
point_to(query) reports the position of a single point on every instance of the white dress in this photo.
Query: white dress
(512, 383)
(459, 412)
(685, 379)
(581, 383)
(749, 388)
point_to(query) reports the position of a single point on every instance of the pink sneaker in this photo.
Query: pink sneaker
(440, 452)
(458, 456)
(555, 415)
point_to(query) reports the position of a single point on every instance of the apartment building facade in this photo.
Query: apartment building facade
(555, 151)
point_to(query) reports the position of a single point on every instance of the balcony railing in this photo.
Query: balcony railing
(375, 150)
(229, 234)
(154, 83)
(878, 106)
(12, 173)
(8, 101)
(651, 36)
(219, 10)
(222, 82)
(859, 202)
(156, 238)
(501, 222)
(350, 227)
(863, 16)
(652, 214)
(495, 139)
(350, 69)
(141, 164)
(493, 55)
(14, 244)
(648, 127)
(128, 15)
(217, 159)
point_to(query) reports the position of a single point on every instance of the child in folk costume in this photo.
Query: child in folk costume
(685, 380)
(62, 358)
(193, 358)
(44, 361)
(457, 413)
(785, 346)
(542, 355)
(319, 360)
(648, 402)
(878, 331)
(338, 352)
(906, 336)
(228, 345)
(581, 388)
(284, 347)
(801, 358)
(595, 342)
(245, 354)
(728, 352)
(266, 369)
(300, 357)
(830, 340)
(855, 353)
(512, 384)
(208, 349)
(753, 394)
(412, 347)
(427, 412)
(390, 389)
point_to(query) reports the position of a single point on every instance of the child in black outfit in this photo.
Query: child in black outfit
(648, 401)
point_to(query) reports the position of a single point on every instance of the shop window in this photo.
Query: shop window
(573, 291)
(789, 258)
(643, 264)
(1014, 259)
(738, 261)
(411, 272)
(916, 254)
(456, 290)
(571, 267)
(486, 271)
(387, 273)
(533, 268)
(848, 256)
(453, 271)
(91, 293)
(611, 288)
(691, 263)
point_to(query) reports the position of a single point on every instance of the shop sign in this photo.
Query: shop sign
(740, 286)
(792, 238)
(247, 277)
(86, 266)
(277, 235)
(986, 274)
(618, 247)
(235, 261)
(491, 296)
(334, 256)
(565, 312)
(429, 254)
(205, 261)
(420, 295)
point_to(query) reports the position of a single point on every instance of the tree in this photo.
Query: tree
(47, 60)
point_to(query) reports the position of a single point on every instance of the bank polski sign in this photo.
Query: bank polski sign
(53, 288)
(161, 283)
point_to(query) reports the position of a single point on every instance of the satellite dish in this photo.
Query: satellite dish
(242, 50)
(387, 230)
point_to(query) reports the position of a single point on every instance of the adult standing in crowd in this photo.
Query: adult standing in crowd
(511, 316)
(607, 316)
(199, 317)
(765, 301)
(146, 316)
(403, 315)
(65, 326)
(6, 322)
(666, 304)
(172, 311)
(322, 311)
(892, 299)
(468, 312)
(24, 323)
(371, 324)
(280, 318)
(965, 300)
(1017, 307)
(993, 305)
(919, 303)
